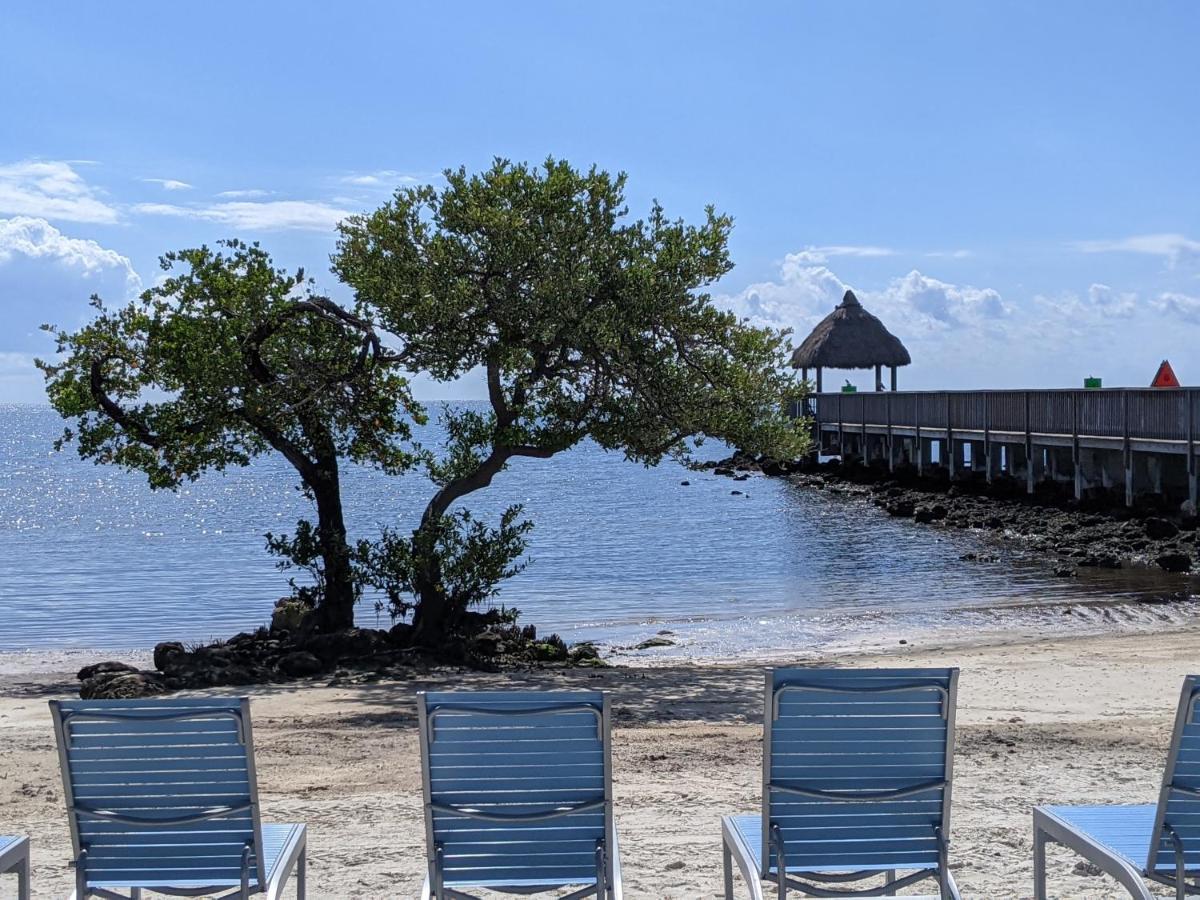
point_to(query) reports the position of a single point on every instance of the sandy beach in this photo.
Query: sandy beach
(1084, 720)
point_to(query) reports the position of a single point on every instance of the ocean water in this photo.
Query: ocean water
(90, 557)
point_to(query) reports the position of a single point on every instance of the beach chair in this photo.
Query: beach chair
(14, 858)
(518, 794)
(162, 796)
(1158, 842)
(857, 767)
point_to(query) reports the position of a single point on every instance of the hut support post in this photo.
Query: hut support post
(878, 377)
(818, 379)
(893, 377)
(919, 445)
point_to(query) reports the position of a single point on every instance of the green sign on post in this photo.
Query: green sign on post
(1092, 383)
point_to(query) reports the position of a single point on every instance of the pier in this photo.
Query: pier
(1140, 440)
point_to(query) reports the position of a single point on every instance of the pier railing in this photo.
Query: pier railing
(1171, 414)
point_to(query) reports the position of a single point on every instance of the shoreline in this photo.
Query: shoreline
(1062, 719)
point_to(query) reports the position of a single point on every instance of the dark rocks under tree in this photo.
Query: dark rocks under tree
(487, 641)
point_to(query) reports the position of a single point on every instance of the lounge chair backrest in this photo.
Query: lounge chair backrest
(517, 785)
(160, 791)
(1177, 822)
(857, 767)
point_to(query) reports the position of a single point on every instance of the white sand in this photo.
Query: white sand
(1075, 720)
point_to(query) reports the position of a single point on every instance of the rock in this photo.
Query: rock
(166, 653)
(903, 509)
(110, 667)
(1174, 562)
(735, 493)
(993, 522)
(1160, 529)
(584, 653)
(650, 643)
(401, 634)
(289, 614)
(722, 470)
(685, 483)
(932, 513)
(742, 477)
(774, 467)
(121, 686)
(300, 663)
(1091, 870)
(352, 643)
(1065, 572)
(488, 643)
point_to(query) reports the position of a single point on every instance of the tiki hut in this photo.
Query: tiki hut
(851, 338)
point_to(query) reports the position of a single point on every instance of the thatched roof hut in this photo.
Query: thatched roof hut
(851, 338)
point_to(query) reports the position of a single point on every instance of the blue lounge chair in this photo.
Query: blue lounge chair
(14, 857)
(518, 794)
(1158, 841)
(857, 767)
(162, 796)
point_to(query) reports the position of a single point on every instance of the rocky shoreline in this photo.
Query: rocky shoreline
(1071, 534)
(285, 652)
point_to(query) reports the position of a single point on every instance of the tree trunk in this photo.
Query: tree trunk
(336, 609)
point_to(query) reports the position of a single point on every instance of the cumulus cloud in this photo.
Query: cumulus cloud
(51, 189)
(819, 255)
(912, 304)
(38, 239)
(269, 215)
(169, 184)
(1182, 306)
(928, 304)
(1175, 248)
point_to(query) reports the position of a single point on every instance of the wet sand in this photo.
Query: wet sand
(1064, 720)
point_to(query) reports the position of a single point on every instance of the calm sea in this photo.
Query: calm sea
(90, 557)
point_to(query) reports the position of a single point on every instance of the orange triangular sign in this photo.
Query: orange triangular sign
(1165, 376)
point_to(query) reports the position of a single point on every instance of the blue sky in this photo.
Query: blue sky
(1012, 187)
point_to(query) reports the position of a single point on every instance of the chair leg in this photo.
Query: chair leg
(727, 859)
(1039, 863)
(135, 894)
(302, 874)
(23, 879)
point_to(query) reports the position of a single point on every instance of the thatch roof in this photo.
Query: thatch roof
(850, 338)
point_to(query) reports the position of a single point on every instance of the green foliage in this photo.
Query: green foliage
(304, 550)
(587, 323)
(473, 559)
(222, 362)
(226, 359)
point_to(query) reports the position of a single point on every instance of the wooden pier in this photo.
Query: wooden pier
(1097, 438)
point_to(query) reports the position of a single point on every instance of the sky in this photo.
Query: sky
(1011, 187)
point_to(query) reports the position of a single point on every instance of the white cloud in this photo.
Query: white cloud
(51, 189)
(38, 239)
(381, 178)
(913, 304)
(1172, 247)
(927, 303)
(819, 255)
(270, 215)
(950, 254)
(244, 195)
(169, 184)
(1182, 306)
